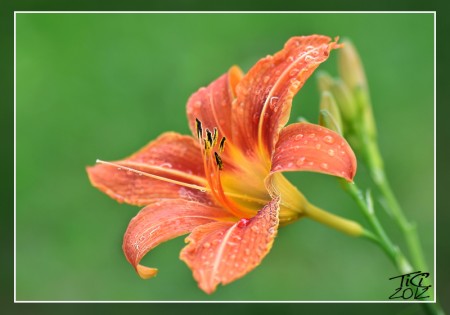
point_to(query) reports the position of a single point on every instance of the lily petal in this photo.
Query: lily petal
(170, 156)
(222, 252)
(212, 105)
(162, 221)
(264, 95)
(309, 147)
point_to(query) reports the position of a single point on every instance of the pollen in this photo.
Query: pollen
(198, 127)
(207, 145)
(222, 144)
(215, 136)
(218, 161)
(209, 138)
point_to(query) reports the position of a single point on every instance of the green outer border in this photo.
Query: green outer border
(7, 132)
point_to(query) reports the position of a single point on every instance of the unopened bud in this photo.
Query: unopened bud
(330, 116)
(302, 119)
(324, 80)
(368, 122)
(350, 67)
(345, 100)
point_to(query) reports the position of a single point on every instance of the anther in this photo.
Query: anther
(218, 161)
(215, 136)
(207, 145)
(209, 137)
(199, 129)
(222, 144)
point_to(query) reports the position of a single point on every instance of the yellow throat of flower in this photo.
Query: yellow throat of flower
(250, 186)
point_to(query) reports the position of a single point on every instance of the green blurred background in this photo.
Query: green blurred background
(103, 85)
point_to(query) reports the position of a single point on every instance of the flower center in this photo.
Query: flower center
(213, 165)
(237, 179)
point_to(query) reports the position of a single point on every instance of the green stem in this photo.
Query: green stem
(408, 229)
(383, 240)
(346, 226)
(386, 244)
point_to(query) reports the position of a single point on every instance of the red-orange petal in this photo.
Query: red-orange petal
(171, 156)
(264, 95)
(222, 252)
(212, 104)
(162, 221)
(309, 147)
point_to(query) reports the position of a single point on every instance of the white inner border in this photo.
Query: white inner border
(221, 12)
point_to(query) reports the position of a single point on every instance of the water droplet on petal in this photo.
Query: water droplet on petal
(255, 229)
(271, 230)
(277, 168)
(290, 164)
(324, 166)
(331, 152)
(243, 223)
(328, 139)
(300, 161)
(298, 137)
(207, 245)
(318, 146)
(312, 135)
(295, 83)
(293, 72)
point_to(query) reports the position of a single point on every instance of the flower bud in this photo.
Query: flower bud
(350, 67)
(368, 122)
(344, 100)
(324, 80)
(329, 115)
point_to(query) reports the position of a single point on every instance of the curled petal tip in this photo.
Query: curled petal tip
(309, 147)
(146, 272)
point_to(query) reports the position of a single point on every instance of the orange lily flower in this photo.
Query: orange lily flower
(224, 185)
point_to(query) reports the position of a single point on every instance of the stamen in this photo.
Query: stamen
(215, 136)
(199, 129)
(209, 137)
(164, 179)
(222, 144)
(207, 146)
(172, 181)
(218, 161)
